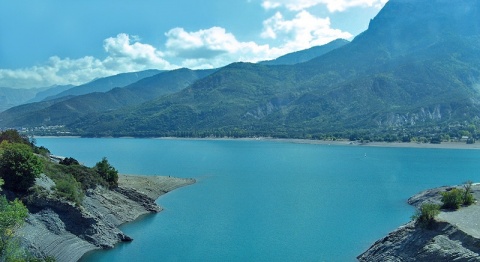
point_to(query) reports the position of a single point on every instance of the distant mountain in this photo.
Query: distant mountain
(65, 110)
(416, 68)
(305, 55)
(50, 91)
(106, 83)
(10, 97)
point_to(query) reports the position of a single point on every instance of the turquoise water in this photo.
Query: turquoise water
(269, 201)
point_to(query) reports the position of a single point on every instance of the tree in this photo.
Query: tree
(107, 172)
(19, 166)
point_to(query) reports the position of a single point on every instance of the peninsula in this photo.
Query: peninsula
(454, 236)
(62, 230)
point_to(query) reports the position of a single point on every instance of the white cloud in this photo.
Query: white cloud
(332, 5)
(303, 31)
(122, 56)
(213, 47)
(206, 48)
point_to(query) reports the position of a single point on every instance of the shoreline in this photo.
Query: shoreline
(443, 145)
(67, 232)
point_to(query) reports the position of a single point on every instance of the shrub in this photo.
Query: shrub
(12, 136)
(456, 197)
(41, 151)
(86, 176)
(453, 199)
(70, 189)
(468, 198)
(425, 216)
(68, 161)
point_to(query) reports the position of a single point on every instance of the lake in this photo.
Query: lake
(267, 200)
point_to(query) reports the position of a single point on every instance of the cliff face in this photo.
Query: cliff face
(60, 229)
(454, 238)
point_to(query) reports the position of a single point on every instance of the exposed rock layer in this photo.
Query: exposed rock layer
(454, 237)
(62, 230)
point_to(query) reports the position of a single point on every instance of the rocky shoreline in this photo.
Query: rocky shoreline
(455, 236)
(66, 232)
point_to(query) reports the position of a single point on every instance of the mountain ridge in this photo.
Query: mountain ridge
(387, 77)
(106, 84)
(307, 54)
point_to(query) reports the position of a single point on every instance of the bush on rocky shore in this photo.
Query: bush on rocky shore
(425, 216)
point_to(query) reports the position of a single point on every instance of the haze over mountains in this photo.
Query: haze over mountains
(416, 67)
(305, 55)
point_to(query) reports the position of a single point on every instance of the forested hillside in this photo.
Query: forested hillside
(415, 68)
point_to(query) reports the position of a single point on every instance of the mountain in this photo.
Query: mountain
(106, 83)
(416, 68)
(10, 97)
(413, 73)
(305, 55)
(50, 91)
(65, 110)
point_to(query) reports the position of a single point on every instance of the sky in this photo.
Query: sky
(51, 42)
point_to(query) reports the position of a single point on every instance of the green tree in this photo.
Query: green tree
(18, 166)
(107, 172)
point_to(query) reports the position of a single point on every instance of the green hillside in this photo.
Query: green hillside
(65, 110)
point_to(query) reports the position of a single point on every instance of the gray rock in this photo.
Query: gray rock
(45, 183)
(58, 228)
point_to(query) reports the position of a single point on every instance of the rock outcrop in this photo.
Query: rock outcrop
(454, 237)
(63, 230)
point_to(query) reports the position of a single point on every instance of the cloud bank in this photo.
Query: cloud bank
(205, 48)
(332, 5)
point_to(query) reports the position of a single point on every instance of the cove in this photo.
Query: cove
(269, 201)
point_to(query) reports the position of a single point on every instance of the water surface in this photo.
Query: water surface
(269, 201)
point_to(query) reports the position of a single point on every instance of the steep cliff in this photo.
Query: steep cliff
(455, 236)
(65, 231)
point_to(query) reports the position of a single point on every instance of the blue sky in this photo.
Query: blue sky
(47, 42)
